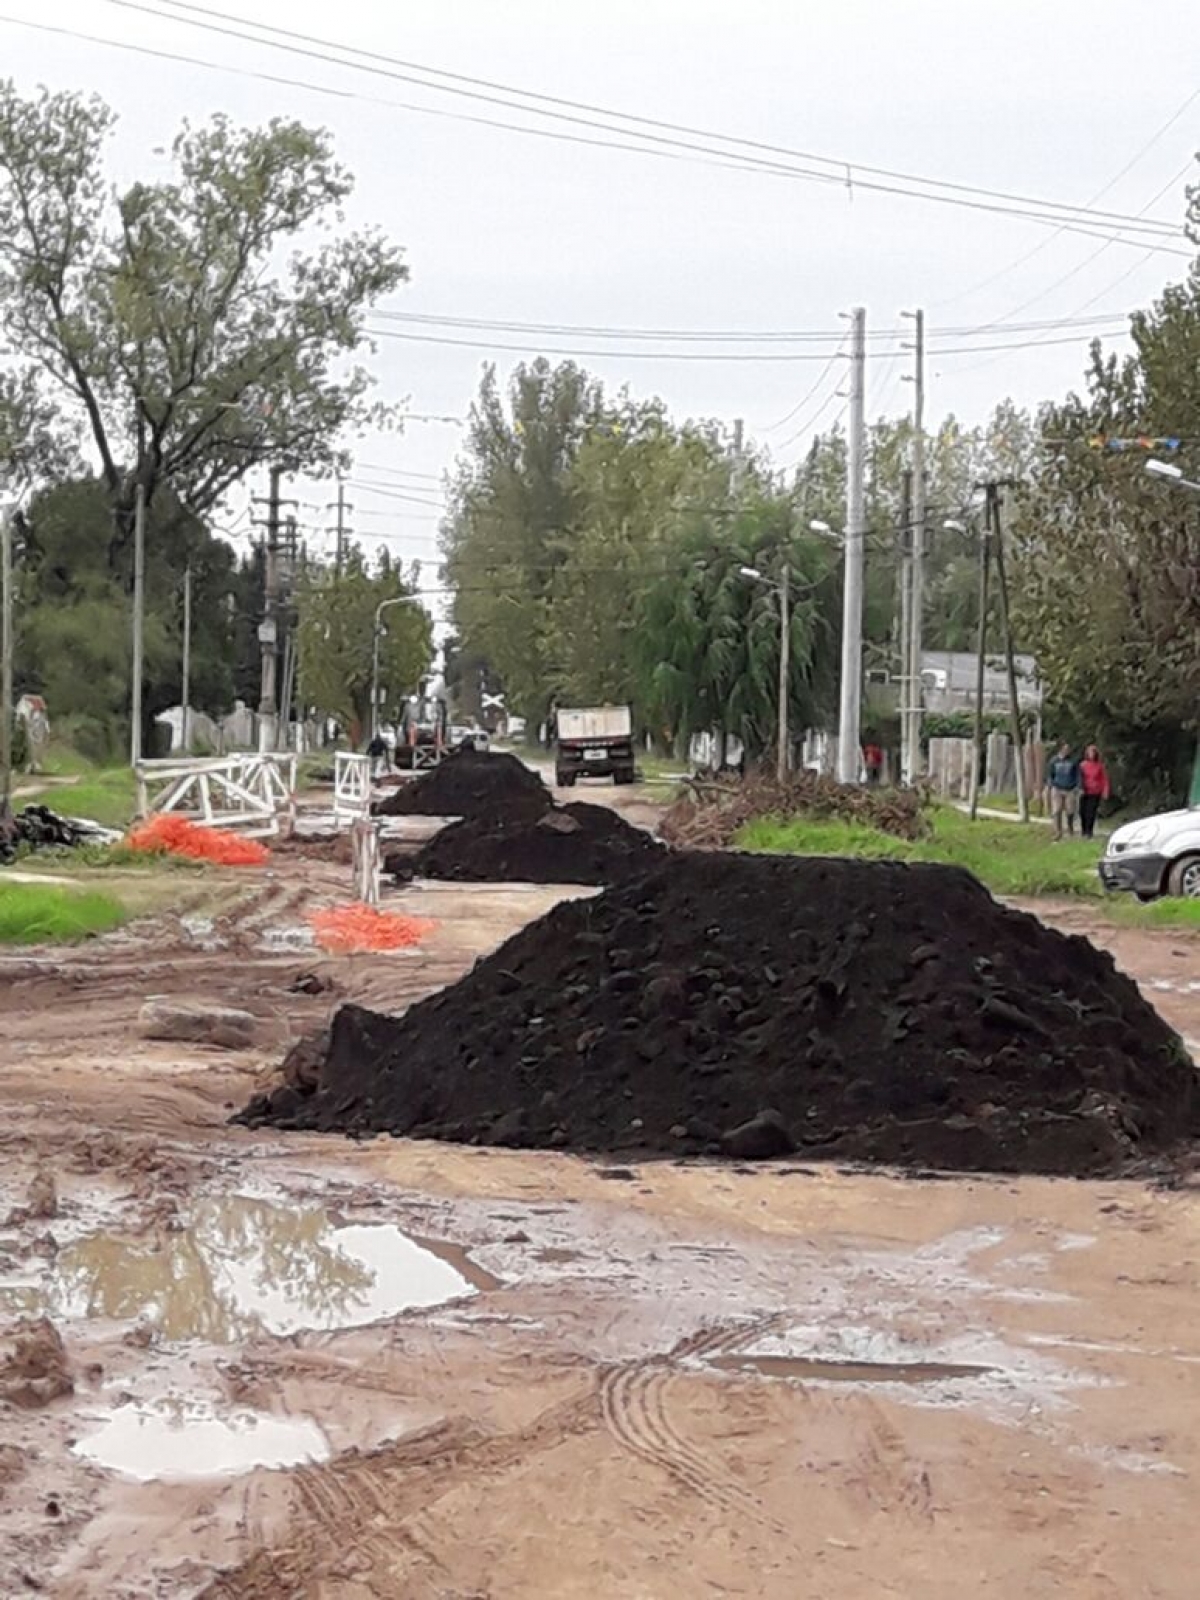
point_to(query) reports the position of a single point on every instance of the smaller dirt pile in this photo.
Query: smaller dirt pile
(39, 828)
(576, 843)
(711, 811)
(471, 783)
(752, 1005)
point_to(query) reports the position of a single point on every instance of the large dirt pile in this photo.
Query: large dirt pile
(470, 783)
(844, 1008)
(575, 843)
(711, 811)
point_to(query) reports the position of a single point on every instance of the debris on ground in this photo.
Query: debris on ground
(576, 843)
(470, 783)
(344, 930)
(39, 828)
(41, 1202)
(33, 1364)
(189, 1022)
(746, 1005)
(171, 834)
(711, 811)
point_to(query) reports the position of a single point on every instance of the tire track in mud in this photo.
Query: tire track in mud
(635, 1405)
(377, 1505)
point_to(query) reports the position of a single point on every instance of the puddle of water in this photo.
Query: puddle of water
(243, 1267)
(177, 1439)
(849, 1371)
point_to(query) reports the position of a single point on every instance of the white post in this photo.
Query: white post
(849, 737)
(6, 665)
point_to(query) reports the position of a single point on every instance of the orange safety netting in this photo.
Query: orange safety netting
(176, 836)
(347, 929)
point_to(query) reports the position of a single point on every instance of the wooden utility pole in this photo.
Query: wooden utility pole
(6, 666)
(1014, 702)
(139, 620)
(186, 673)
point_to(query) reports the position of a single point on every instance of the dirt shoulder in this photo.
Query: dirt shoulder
(983, 1377)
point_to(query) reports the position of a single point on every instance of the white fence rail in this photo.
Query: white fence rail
(256, 794)
(351, 786)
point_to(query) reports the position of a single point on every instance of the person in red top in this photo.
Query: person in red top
(873, 763)
(1093, 775)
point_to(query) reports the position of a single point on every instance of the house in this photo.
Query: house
(949, 677)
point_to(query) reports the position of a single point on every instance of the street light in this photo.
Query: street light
(782, 588)
(1168, 470)
(397, 600)
(953, 525)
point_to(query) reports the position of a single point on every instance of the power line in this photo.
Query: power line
(390, 492)
(401, 472)
(808, 394)
(843, 173)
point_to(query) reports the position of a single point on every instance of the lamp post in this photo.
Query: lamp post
(397, 600)
(1174, 474)
(783, 589)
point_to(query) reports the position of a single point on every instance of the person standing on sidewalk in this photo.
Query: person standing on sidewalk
(1062, 779)
(1093, 778)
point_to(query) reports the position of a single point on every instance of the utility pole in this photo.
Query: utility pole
(852, 595)
(268, 631)
(340, 551)
(6, 665)
(785, 652)
(905, 615)
(139, 616)
(1010, 660)
(985, 551)
(911, 757)
(186, 687)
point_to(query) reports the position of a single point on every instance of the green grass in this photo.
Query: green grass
(107, 796)
(1015, 861)
(37, 913)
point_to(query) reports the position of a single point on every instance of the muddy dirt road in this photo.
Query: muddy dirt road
(304, 1367)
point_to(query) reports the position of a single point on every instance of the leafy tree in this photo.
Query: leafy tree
(512, 516)
(175, 320)
(708, 637)
(336, 631)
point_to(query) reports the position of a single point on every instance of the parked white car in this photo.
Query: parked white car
(1156, 856)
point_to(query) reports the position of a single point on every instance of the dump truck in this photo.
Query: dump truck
(423, 735)
(593, 742)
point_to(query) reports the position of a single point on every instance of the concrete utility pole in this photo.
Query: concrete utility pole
(985, 553)
(849, 740)
(905, 634)
(6, 664)
(340, 549)
(911, 754)
(1010, 660)
(186, 674)
(783, 761)
(139, 618)
(268, 632)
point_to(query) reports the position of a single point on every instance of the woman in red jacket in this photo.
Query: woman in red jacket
(1093, 775)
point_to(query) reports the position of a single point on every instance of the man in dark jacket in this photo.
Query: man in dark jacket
(1062, 780)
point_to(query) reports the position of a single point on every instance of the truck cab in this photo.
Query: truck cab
(593, 742)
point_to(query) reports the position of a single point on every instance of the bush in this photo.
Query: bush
(711, 811)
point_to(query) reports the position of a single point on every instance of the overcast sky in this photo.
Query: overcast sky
(1070, 102)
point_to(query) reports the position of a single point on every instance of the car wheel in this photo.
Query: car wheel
(1146, 899)
(1183, 882)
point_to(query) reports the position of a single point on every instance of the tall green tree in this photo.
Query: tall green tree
(177, 321)
(336, 634)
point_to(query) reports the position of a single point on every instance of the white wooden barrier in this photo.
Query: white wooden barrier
(364, 836)
(351, 786)
(255, 794)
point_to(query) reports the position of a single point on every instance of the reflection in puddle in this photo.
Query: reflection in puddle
(242, 1267)
(849, 1371)
(189, 1439)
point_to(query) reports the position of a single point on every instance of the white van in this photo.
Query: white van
(1159, 855)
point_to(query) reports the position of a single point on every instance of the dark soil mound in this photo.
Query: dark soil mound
(39, 828)
(567, 844)
(471, 783)
(754, 1005)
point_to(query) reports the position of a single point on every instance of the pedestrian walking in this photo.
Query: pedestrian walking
(1062, 779)
(872, 764)
(1094, 787)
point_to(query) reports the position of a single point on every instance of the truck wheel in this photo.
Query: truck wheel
(623, 775)
(565, 780)
(1183, 880)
